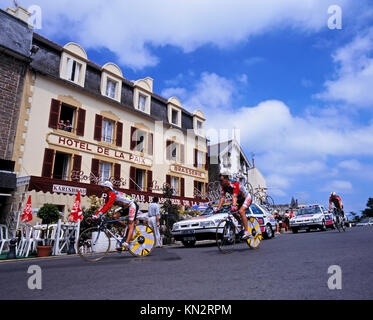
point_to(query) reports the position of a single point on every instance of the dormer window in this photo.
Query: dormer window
(73, 64)
(111, 88)
(175, 117)
(142, 103)
(142, 94)
(111, 81)
(199, 123)
(174, 111)
(73, 70)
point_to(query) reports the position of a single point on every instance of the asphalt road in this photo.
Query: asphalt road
(291, 266)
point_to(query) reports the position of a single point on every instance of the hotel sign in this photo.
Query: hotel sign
(188, 171)
(84, 146)
(69, 190)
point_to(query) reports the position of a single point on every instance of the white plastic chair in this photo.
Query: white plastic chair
(4, 237)
(24, 245)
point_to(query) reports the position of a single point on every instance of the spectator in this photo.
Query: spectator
(278, 220)
(154, 216)
(68, 126)
(286, 221)
(61, 125)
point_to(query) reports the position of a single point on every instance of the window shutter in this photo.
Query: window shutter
(117, 170)
(206, 189)
(81, 122)
(95, 167)
(77, 166)
(48, 163)
(196, 158)
(98, 127)
(182, 153)
(168, 149)
(54, 114)
(207, 161)
(182, 187)
(132, 178)
(119, 140)
(133, 138)
(150, 181)
(168, 180)
(150, 144)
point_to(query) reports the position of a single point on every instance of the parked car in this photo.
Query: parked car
(308, 218)
(365, 222)
(204, 227)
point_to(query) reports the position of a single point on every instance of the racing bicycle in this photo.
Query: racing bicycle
(227, 233)
(263, 198)
(95, 243)
(338, 221)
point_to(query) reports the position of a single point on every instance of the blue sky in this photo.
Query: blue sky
(300, 93)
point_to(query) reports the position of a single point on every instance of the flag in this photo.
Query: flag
(27, 212)
(76, 212)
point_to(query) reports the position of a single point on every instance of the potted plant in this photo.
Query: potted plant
(49, 214)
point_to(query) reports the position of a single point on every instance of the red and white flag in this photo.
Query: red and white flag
(27, 212)
(76, 212)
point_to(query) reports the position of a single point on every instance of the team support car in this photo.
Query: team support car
(308, 218)
(204, 227)
(329, 219)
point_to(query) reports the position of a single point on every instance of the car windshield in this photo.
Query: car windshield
(308, 211)
(210, 210)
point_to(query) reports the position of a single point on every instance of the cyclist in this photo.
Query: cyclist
(241, 199)
(125, 201)
(337, 201)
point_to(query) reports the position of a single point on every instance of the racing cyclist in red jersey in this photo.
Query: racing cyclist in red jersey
(125, 201)
(337, 201)
(240, 197)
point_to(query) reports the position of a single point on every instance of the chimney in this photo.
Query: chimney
(20, 13)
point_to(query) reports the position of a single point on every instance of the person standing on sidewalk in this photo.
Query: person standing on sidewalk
(154, 217)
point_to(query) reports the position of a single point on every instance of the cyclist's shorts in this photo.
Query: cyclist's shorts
(133, 209)
(246, 204)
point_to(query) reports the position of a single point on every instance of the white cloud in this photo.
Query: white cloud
(338, 186)
(131, 28)
(353, 165)
(354, 77)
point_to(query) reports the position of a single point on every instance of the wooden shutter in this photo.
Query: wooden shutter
(133, 138)
(48, 163)
(182, 153)
(77, 166)
(150, 143)
(206, 189)
(95, 167)
(182, 187)
(132, 178)
(196, 158)
(98, 127)
(168, 149)
(81, 122)
(117, 170)
(119, 139)
(54, 114)
(207, 161)
(168, 180)
(150, 180)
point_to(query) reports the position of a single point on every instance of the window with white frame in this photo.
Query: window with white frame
(140, 179)
(199, 127)
(175, 114)
(107, 130)
(175, 185)
(105, 171)
(200, 159)
(111, 88)
(73, 70)
(142, 103)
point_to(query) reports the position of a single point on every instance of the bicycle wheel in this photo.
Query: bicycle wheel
(256, 236)
(93, 244)
(143, 241)
(269, 202)
(226, 236)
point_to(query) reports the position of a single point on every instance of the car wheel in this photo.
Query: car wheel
(268, 233)
(294, 230)
(308, 230)
(189, 243)
(323, 226)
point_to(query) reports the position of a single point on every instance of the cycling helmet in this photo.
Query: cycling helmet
(108, 184)
(333, 194)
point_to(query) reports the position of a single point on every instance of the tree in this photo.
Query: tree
(368, 212)
(292, 203)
